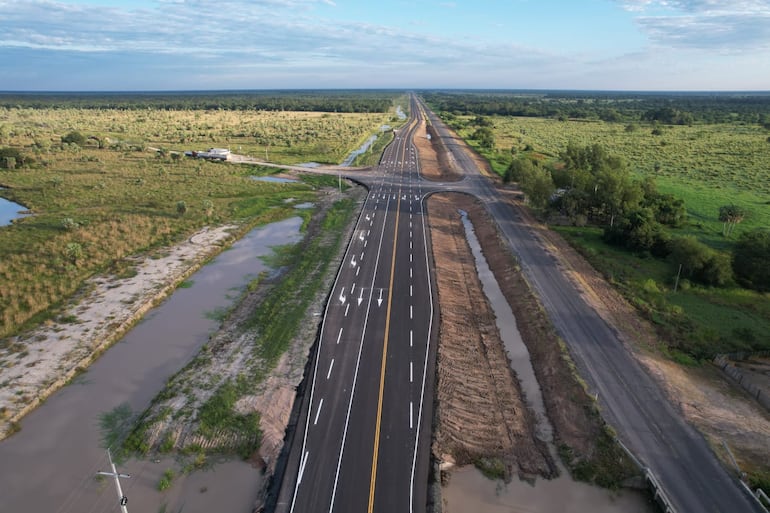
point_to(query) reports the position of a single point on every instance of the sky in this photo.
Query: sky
(155, 45)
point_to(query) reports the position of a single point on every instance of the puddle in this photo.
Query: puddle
(355, 153)
(50, 464)
(273, 179)
(304, 206)
(10, 211)
(469, 490)
(509, 332)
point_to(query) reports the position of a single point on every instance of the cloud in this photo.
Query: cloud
(720, 25)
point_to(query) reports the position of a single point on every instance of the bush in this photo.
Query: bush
(74, 137)
(750, 260)
(699, 262)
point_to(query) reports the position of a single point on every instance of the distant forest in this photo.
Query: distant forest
(358, 101)
(665, 108)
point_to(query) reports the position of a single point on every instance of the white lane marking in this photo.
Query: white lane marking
(302, 466)
(362, 255)
(339, 336)
(410, 257)
(410, 272)
(411, 311)
(411, 338)
(410, 225)
(411, 372)
(410, 245)
(346, 309)
(353, 262)
(353, 288)
(411, 415)
(358, 271)
(331, 366)
(342, 297)
(366, 242)
(318, 411)
(411, 291)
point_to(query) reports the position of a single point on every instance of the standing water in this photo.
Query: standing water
(50, 464)
(10, 211)
(469, 490)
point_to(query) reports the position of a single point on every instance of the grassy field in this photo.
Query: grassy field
(98, 203)
(706, 165)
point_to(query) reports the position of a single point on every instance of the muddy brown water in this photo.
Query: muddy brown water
(509, 333)
(469, 490)
(51, 463)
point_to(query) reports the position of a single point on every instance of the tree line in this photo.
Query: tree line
(665, 108)
(352, 101)
(589, 185)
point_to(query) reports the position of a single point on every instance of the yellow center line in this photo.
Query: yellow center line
(384, 362)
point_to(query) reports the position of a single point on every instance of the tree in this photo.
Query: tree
(73, 252)
(750, 260)
(731, 215)
(181, 208)
(74, 137)
(699, 262)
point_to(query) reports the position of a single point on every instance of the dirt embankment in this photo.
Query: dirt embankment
(231, 352)
(481, 411)
(436, 162)
(479, 401)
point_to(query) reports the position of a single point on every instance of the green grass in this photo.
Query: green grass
(121, 199)
(696, 321)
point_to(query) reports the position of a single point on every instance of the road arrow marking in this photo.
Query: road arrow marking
(379, 301)
(361, 297)
(353, 261)
(342, 297)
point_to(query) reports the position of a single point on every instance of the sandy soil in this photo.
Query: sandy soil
(480, 410)
(435, 162)
(107, 307)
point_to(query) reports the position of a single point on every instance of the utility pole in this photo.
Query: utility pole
(122, 498)
(678, 274)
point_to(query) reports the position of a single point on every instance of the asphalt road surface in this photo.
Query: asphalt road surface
(363, 442)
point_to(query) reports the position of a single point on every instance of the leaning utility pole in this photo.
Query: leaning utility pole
(122, 498)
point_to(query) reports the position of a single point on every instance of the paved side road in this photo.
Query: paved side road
(631, 401)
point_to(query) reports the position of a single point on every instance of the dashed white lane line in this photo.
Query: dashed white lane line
(411, 291)
(353, 288)
(411, 372)
(410, 272)
(302, 466)
(318, 411)
(411, 311)
(339, 336)
(411, 415)
(358, 271)
(331, 366)
(411, 338)
(346, 309)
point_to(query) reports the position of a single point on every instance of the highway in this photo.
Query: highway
(363, 443)
(631, 401)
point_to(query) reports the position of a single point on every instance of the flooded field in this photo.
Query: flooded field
(50, 464)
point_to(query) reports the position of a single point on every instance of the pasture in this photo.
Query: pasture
(113, 196)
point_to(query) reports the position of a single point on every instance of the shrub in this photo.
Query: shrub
(74, 137)
(750, 260)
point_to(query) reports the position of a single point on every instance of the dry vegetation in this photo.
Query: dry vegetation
(99, 202)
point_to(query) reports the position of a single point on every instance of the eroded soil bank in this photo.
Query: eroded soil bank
(481, 417)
